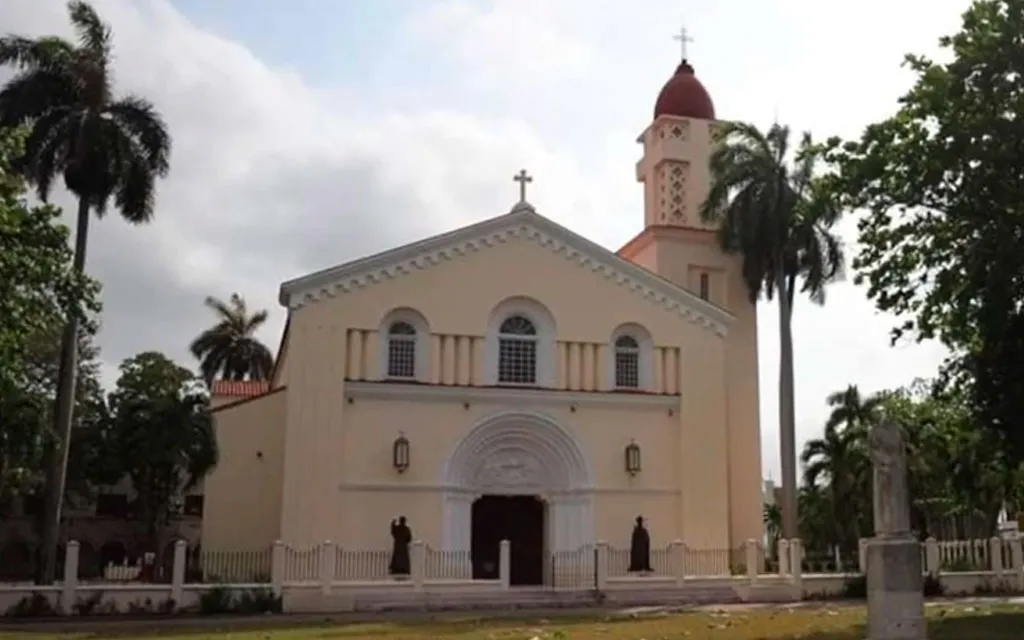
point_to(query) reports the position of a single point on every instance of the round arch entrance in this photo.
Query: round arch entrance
(529, 468)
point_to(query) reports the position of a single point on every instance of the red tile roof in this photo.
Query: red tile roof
(239, 388)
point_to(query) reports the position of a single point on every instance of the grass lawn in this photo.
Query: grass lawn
(952, 622)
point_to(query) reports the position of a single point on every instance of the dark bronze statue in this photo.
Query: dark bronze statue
(640, 548)
(401, 535)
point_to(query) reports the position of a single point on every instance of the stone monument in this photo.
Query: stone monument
(894, 575)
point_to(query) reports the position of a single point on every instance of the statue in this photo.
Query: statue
(401, 535)
(640, 548)
(891, 498)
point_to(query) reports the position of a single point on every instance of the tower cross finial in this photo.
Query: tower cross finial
(683, 37)
(523, 179)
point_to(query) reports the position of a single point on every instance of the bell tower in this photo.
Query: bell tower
(678, 245)
(676, 148)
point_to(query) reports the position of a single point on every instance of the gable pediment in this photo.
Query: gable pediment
(522, 223)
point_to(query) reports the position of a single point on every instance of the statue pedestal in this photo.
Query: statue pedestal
(894, 581)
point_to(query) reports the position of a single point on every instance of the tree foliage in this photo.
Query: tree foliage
(104, 148)
(38, 292)
(958, 474)
(159, 434)
(942, 241)
(229, 348)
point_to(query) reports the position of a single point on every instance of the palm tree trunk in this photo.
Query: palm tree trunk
(787, 428)
(63, 418)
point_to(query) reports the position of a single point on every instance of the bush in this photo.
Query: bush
(856, 588)
(36, 605)
(216, 600)
(932, 586)
(220, 600)
(88, 605)
(258, 601)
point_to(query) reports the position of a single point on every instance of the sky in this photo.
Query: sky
(311, 132)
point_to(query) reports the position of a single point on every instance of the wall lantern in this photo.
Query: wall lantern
(400, 453)
(632, 458)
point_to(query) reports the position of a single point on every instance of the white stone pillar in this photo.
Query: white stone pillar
(278, 568)
(505, 564)
(70, 582)
(178, 571)
(326, 567)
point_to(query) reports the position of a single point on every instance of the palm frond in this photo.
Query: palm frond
(35, 53)
(93, 33)
(47, 147)
(141, 122)
(32, 93)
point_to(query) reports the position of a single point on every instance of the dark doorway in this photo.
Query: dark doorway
(518, 519)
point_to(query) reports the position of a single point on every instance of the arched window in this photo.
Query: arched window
(517, 351)
(401, 350)
(627, 363)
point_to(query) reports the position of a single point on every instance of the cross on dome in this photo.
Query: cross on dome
(523, 179)
(683, 37)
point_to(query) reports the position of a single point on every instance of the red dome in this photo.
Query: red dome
(683, 95)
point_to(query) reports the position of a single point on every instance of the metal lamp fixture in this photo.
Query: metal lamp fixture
(400, 453)
(632, 458)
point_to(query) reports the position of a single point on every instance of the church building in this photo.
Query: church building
(512, 380)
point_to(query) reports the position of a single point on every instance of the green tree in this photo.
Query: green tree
(941, 238)
(159, 434)
(778, 219)
(229, 348)
(103, 147)
(38, 291)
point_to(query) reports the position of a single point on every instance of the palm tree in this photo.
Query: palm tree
(840, 458)
(778, 219)
(228, 348)
(849, 408)
(105, 148)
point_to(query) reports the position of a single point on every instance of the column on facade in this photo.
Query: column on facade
(457, 525)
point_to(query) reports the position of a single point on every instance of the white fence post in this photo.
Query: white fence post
(277, 568)
(783, 555)
(933, 560)
(602, 565)
(796, 562)
(753, 559)
(862, 555)
(178, 572)
(1017, 559)
(679, 560)
(70, 582)
(326, 567)
(995, 556)
(418, 563)
(505, 564)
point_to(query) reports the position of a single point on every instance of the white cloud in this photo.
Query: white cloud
(272, 178)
